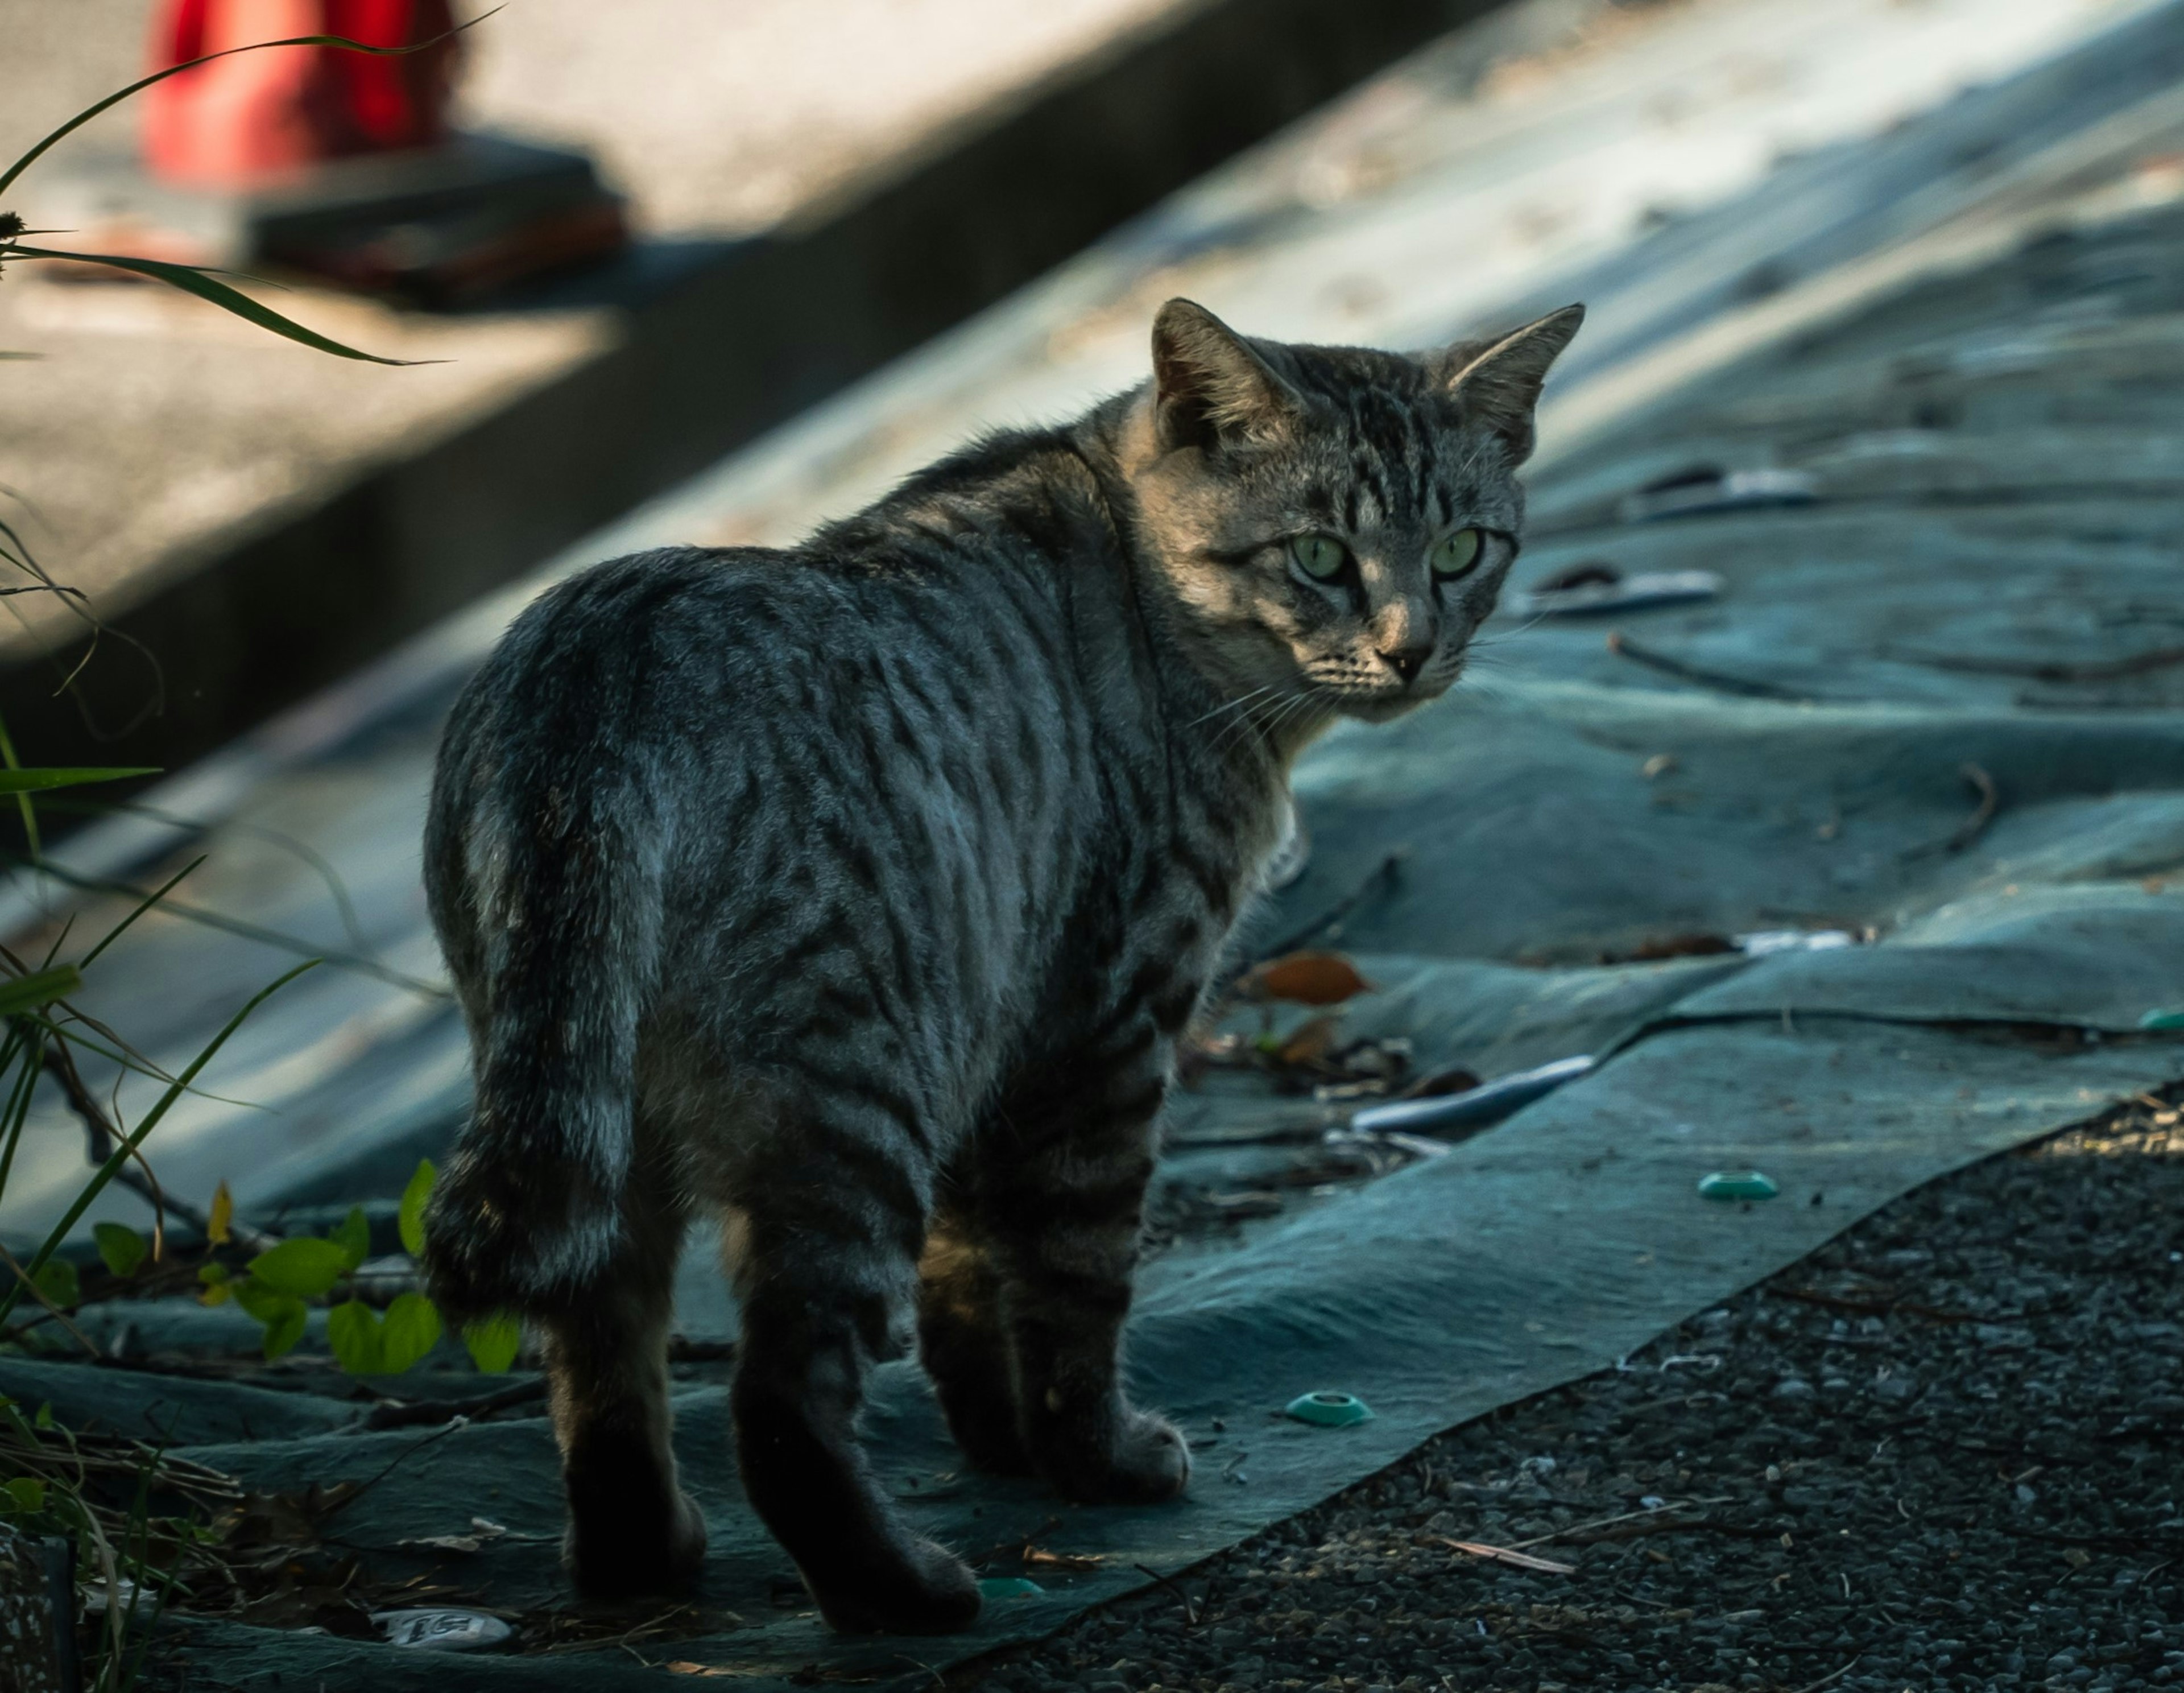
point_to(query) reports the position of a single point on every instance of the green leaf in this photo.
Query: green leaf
(353, 1329)
(217, 1292)
(286, 1328)
(41, 988)
(192, 280)
(413, 1207)
(261, 1301)
(493, 1343)
(57, 1280)
(353, 1237)
(44, 1419)
(411, 1330)
(212, 1274)
(37, 781)
(24, 1493)
(120, 1246)
(305, 1266)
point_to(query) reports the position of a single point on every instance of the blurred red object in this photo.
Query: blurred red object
(252, 116)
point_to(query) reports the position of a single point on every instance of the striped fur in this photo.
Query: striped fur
(856, 895)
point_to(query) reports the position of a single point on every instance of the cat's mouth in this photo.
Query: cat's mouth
(1396, 699)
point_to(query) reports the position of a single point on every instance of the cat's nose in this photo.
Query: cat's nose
(1408, 659)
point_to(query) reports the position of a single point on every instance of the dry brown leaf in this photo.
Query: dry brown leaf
(1309, 1042)
(1305, 978)
(222, 1214)
(1067, 1562)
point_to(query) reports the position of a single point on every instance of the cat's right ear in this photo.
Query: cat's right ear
(1210, 387)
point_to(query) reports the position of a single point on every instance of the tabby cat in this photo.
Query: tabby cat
(855, 896)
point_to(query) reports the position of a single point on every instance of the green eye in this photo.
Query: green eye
(1453, 555)
(1319, 556)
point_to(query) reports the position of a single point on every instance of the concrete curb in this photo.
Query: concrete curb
(754, 332)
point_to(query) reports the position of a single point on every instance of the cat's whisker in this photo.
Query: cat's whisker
(1233, 732)
(1241, 703)
(1497, 638)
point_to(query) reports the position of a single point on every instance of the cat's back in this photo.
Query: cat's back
(957, 574)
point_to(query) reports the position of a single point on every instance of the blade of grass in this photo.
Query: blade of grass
(319, 863)
(30, 813)
(15, 779)
(142, 906)
(192, 281)
(8, 177)
(29, 1067)
(121, 1057)
(135, 1137)
(248, 931)
(68, 928)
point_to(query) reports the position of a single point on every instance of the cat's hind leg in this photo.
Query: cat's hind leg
(632, 1529)
(834, 1223)
(963, 1342)
(1062, 1196)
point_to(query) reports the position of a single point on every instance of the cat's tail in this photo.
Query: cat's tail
(551, 905)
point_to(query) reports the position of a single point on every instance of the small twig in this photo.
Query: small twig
(1507, 1555)
(1828, 1680)
(101, 1137)
(400, 1458)
(411, 1414)
(1609, 1522)
(1017, 1546)
(1974, 826)
(1189, 1606)
(1623, 647)
(2051, 670)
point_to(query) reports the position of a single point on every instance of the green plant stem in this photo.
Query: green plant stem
(135, 1137)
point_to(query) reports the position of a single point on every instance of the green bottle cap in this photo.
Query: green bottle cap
(1736, 1184)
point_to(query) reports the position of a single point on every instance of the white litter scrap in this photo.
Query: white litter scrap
(442, 1630)
(1764, 943)
(1610, 590)
(1709, 490)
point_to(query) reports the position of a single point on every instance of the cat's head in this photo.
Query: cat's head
(1332, 523)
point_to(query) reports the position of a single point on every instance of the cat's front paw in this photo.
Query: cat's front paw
(922, 1588)
(1146, 1461)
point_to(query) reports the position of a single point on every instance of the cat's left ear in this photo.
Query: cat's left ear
(1499, 384)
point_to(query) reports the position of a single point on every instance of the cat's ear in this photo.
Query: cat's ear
(1498, 384)
(1210, 387)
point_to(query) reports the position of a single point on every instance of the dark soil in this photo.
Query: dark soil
(1945, 1452)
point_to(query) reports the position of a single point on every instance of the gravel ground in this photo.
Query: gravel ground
(1941, 1453)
